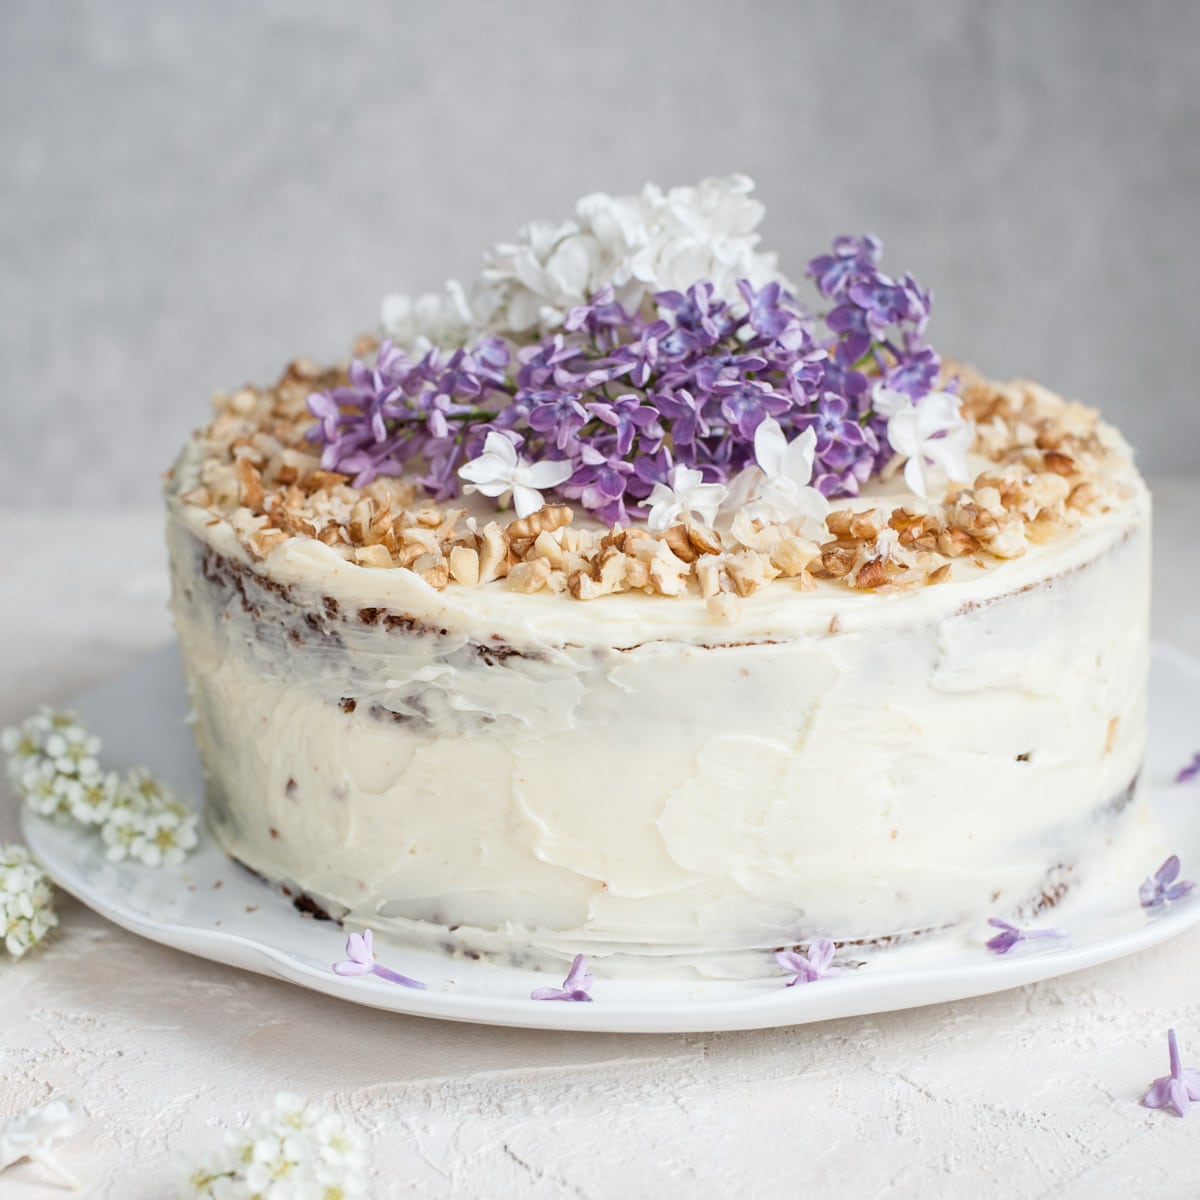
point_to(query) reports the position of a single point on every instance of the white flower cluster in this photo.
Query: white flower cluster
(26, 901)
(30, 1134)
(53, 762)
(295, 1151)
(651, 242)
(434, 319)
(776, 489)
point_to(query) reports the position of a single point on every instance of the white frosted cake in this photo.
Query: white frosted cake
(622, 605)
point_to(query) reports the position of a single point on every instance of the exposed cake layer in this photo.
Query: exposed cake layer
(635, 774)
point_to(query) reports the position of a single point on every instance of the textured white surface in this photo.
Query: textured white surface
(1029, 1093)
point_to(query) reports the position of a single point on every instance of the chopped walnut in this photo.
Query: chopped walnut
(250, 482)
(745, 571)
(680, 543)
(668, 574)
(464, 565)
(724, 607)
(611, 575)
(531, 576)
(372, 556)
(493, 553)
(792, 554)
(547, 519)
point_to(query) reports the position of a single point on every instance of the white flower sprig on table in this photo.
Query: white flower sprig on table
(54, 764)
(30, 1133)
(294, 1151)
(26, 901)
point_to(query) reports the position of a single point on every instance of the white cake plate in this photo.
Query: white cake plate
(210, 907)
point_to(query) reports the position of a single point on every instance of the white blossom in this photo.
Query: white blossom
(48, 736)
(147, 824)
(641, 244)
(530, 284)
(26, 901)
(30, 1134)
(933, 432)
(73, 751)
(295, 1151)
(124, 829)
(45, 791)
(684, 494)
(432, 319)
(90, 802)
(54, 765)
(782, 492)
(702, 232)
(499, 469)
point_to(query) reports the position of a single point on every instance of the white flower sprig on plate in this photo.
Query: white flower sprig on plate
(26, 901)
(294, 1151)
(54, 764)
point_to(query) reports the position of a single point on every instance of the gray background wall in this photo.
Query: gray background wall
(190, 194)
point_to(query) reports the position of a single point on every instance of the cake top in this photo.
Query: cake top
(636, 400)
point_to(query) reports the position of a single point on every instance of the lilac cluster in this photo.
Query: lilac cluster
(623, 397)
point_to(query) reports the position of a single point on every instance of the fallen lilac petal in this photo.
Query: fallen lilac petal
(1190, 772)
(810, 967)
(1176, 1090)
(360, 960)
(1157, 891)
(1010, 935)
(574, 987)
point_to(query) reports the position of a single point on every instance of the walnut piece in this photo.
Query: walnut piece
(547, 519)
(531, 576)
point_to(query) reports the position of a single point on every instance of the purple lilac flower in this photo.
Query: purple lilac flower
(850, 322)
(641, 357)
(1190, 772)
(839, 435)
(1154, 893)
(700, 321)
(1177, 1090)
(915, 374)
(746, 403)
(851, 258)
(768, 314)
(631, 418)
(622, 397)
(557, 416)
(1010, 935)
(600, 313)
(808, 968)
(360, 960)
(576, 986)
